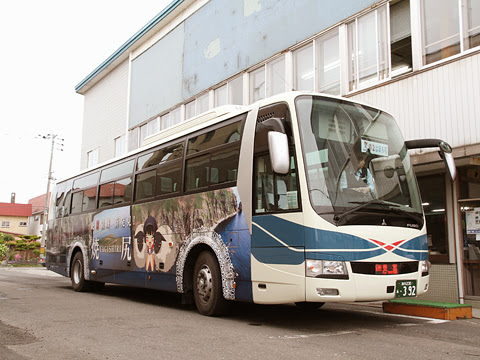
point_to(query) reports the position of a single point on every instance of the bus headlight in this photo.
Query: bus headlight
(326, 269)
(425, 267)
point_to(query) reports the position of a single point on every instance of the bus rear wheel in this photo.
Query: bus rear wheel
(207, 286)
(77, 274)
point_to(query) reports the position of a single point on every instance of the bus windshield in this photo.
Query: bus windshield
(357, 166)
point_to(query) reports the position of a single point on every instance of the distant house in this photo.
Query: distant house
(35, 221)
(14, 218)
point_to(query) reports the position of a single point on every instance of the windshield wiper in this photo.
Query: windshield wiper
(362, 205)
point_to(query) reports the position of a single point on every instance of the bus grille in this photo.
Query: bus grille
(368, 268)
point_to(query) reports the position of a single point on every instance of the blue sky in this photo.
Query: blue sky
(48, 47)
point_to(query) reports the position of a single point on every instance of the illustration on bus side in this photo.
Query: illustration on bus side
(157, 238)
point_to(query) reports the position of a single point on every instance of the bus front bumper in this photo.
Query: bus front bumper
(359, 287)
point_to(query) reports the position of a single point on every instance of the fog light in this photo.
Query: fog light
(327, 292)
(425, 267)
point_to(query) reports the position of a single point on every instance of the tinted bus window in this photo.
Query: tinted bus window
(223, 166)
(86, 181)
(105, 195)
(59, 198)
(221, 136)
(77, 201)
(89, 199)
(117, 171)
(67, 198)
(123, 191)
(117, 192)
(160, 156)
(169, 178)
(145, 185)
(197, 172)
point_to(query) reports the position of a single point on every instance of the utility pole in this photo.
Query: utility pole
(53, 137)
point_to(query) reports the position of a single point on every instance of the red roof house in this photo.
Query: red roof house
(14, 218)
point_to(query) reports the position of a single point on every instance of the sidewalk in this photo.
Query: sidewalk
(475, 313)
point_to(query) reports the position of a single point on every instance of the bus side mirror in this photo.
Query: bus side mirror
(445, 152)
(279, 156)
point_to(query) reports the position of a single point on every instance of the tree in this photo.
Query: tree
(3, 252)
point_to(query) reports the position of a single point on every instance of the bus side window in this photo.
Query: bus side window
(122, 191)
(197, 172)
(77, 201)
(274, 192)
(145, 185)
(168, 178)
(89, 199)
(105, 195)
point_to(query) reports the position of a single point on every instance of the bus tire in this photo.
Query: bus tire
(207, 286)
(77, 274)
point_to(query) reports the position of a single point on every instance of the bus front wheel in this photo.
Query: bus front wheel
(207, 286)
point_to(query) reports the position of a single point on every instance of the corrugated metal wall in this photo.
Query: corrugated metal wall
(442, 102)
(105, 114)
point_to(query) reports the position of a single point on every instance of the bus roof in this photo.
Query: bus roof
(204, 120)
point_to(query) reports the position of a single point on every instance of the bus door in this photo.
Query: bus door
(277, 223)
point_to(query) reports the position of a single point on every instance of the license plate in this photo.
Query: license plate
(406, 288)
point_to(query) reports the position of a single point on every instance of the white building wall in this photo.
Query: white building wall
(105, 114)
(439, 102)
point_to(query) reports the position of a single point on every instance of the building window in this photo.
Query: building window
(304, 72)
(221, 95)
(202, 104)
(400, 38)
(133, 139)
(175, 116)
(92, 158)
(230, 93)
(5, 223)
(165, 121)
(449, 28)
(328, 63)
(276, 76)
(190, 110)
(473, 23)
(149, 129)
(22, 223)
(441, 30)
(257, 84)
(235, 91)
(367, 49)
(120, 145)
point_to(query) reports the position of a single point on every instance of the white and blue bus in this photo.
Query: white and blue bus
(299, 198)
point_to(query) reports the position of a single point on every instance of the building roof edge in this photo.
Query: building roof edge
(144, 30)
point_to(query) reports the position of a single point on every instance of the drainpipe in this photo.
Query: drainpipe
(458, 243)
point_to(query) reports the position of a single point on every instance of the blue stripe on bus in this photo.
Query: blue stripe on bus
(290, 233)
(418, 243)
(418, 255)
(323, 239)
(279, 255)
(319, 244)
(344, 256)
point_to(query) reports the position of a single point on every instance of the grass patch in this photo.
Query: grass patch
(428, 303)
